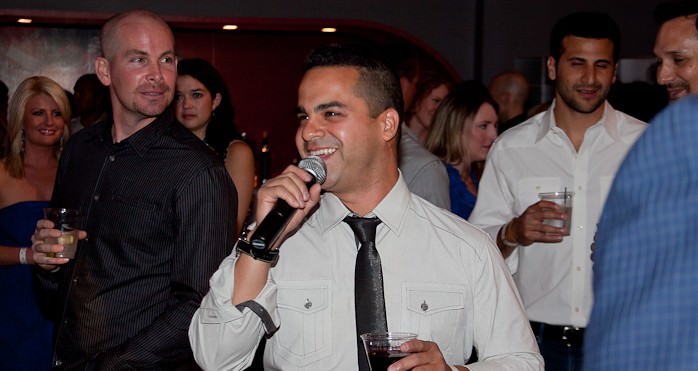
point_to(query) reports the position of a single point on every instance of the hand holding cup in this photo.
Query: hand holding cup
(56, 237)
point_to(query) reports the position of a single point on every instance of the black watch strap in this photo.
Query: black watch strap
(267, 256)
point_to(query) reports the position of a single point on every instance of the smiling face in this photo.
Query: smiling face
(583, 75)
(194, 105)
(140, 68)
(336, 125)
(43, 121)
(676, 49)
(479, 132)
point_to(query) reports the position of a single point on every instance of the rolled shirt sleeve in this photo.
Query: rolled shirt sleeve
(224, 336)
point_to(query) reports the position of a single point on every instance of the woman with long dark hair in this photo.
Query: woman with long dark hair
(203, 105)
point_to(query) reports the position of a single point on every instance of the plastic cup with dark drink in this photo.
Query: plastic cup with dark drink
(66, 221)
(383, 348)
(564, 199)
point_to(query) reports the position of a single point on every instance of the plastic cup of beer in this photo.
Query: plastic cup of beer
(383, 348)
(564, 199)
(66, 221)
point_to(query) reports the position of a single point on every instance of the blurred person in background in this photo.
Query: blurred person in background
(464, 128)
(432, 88)
(90, 102)
(424, 173)
(510, 90)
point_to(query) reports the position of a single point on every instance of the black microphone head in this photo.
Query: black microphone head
(315, 166)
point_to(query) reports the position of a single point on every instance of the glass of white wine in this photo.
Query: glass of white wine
(65, 220)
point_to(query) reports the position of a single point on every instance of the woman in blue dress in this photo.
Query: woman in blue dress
(464, 128)
(39, 111)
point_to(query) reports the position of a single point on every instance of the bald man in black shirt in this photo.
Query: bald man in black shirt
(158, 212)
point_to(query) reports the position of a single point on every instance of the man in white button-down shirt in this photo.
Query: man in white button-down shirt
(576, 145)
(443, 278)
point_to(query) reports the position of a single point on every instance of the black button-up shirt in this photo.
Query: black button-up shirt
(159, 209)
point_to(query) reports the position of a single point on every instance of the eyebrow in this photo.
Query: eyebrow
(143, 52)
(321, 107)
(581, 59)
(324, 106)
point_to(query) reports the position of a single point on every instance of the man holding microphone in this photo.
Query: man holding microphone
(436, 275)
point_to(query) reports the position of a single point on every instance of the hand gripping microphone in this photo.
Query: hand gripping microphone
(273, 224)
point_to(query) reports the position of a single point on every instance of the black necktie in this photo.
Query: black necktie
(369, 302)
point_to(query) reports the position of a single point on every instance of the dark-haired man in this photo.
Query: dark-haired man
(575, 146)
(676, 47)
(441, 278)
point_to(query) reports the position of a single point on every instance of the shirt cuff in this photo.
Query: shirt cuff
(269, 327)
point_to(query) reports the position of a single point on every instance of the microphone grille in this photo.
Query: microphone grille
(315, 166)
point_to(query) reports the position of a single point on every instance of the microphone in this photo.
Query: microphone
(270, 228)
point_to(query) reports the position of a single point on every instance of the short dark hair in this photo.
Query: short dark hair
(377, 84)
(591, 25)
(673, 9)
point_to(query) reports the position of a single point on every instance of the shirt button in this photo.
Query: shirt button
(579, 188)
(111, 158)
(576, 309)
(58, 363)
(75, 279)
(579, 269)
(96, 197)
(308, 304)
(65, 321)
(424, 306)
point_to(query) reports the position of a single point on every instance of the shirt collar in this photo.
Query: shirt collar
(392, 210)
(141, 140)
(608, 122)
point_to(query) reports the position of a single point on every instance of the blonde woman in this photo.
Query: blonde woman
(464, 128)
(37, 127)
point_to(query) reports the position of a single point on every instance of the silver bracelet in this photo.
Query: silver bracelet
(503, 237)
(23, 256)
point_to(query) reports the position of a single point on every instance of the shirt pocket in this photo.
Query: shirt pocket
(527, 191)
(436, 312)
(304, 314)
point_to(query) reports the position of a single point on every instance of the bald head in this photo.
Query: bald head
(510, 91)
(109, 36)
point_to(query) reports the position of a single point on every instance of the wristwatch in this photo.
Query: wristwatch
(265, 254)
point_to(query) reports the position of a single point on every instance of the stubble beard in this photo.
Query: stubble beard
(579, 105)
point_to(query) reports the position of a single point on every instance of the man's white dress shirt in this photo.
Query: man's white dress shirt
(444, 280)
(554, 279)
